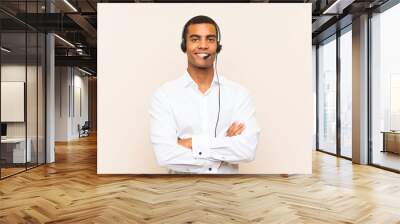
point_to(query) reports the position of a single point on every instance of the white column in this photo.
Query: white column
(50, 110)
(360, 90)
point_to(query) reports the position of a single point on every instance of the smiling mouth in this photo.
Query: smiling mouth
(203, 55)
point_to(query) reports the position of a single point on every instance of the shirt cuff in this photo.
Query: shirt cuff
(201, 146)
(220, 142)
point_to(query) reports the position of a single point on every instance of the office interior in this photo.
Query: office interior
(48, 86)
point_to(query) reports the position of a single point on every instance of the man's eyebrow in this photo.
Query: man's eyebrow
(198, 36)
(194, 35)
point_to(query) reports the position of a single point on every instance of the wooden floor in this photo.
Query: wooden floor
(69, 191)
(387, 159)
(5, 172)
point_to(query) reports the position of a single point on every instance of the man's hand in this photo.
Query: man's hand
(185, 142)
(235, 129)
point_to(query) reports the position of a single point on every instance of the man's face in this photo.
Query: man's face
(201, 40)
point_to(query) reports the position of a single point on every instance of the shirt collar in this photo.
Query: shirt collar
(187, 79)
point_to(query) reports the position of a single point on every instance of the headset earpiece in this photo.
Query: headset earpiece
(183, 45)
(219, 47)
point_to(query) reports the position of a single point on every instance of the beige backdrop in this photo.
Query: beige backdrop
(266, 48)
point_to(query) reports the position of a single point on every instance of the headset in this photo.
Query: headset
(219, 47)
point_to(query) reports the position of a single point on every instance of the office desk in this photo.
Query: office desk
(391, 141)
(13, 150)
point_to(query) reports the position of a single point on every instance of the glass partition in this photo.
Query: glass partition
(41, 109)
(22, 67)
(32, 95)
(13, 95)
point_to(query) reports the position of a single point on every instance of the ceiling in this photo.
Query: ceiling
(76, 22)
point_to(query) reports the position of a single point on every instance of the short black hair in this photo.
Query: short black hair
(198, 20)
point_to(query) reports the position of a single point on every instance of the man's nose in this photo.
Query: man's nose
(203, 44)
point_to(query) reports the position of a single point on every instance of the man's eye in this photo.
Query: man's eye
(195, 40)
(212, 40)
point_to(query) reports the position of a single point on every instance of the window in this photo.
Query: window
(327, 96)
(346, 92)
(385, 88)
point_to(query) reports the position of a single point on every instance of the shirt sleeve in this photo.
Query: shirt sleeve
(164, 137)
(235, 149)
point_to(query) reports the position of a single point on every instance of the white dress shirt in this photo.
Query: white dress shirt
(180, 110)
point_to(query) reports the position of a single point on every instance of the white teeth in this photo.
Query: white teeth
(202, 55)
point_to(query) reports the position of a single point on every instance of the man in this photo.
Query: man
(202, 123)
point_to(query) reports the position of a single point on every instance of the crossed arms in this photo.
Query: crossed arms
(237, 144)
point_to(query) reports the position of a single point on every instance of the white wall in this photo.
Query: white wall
(61, 103)
(68, 83)
(267, 49)
(80, 85)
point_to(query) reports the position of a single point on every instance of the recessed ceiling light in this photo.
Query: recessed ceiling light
(70, 5)
(64, 40)
(84, 71)
(5, 50)
(337, 7)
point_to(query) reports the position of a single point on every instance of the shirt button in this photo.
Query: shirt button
(209, 169)
(199, 153)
